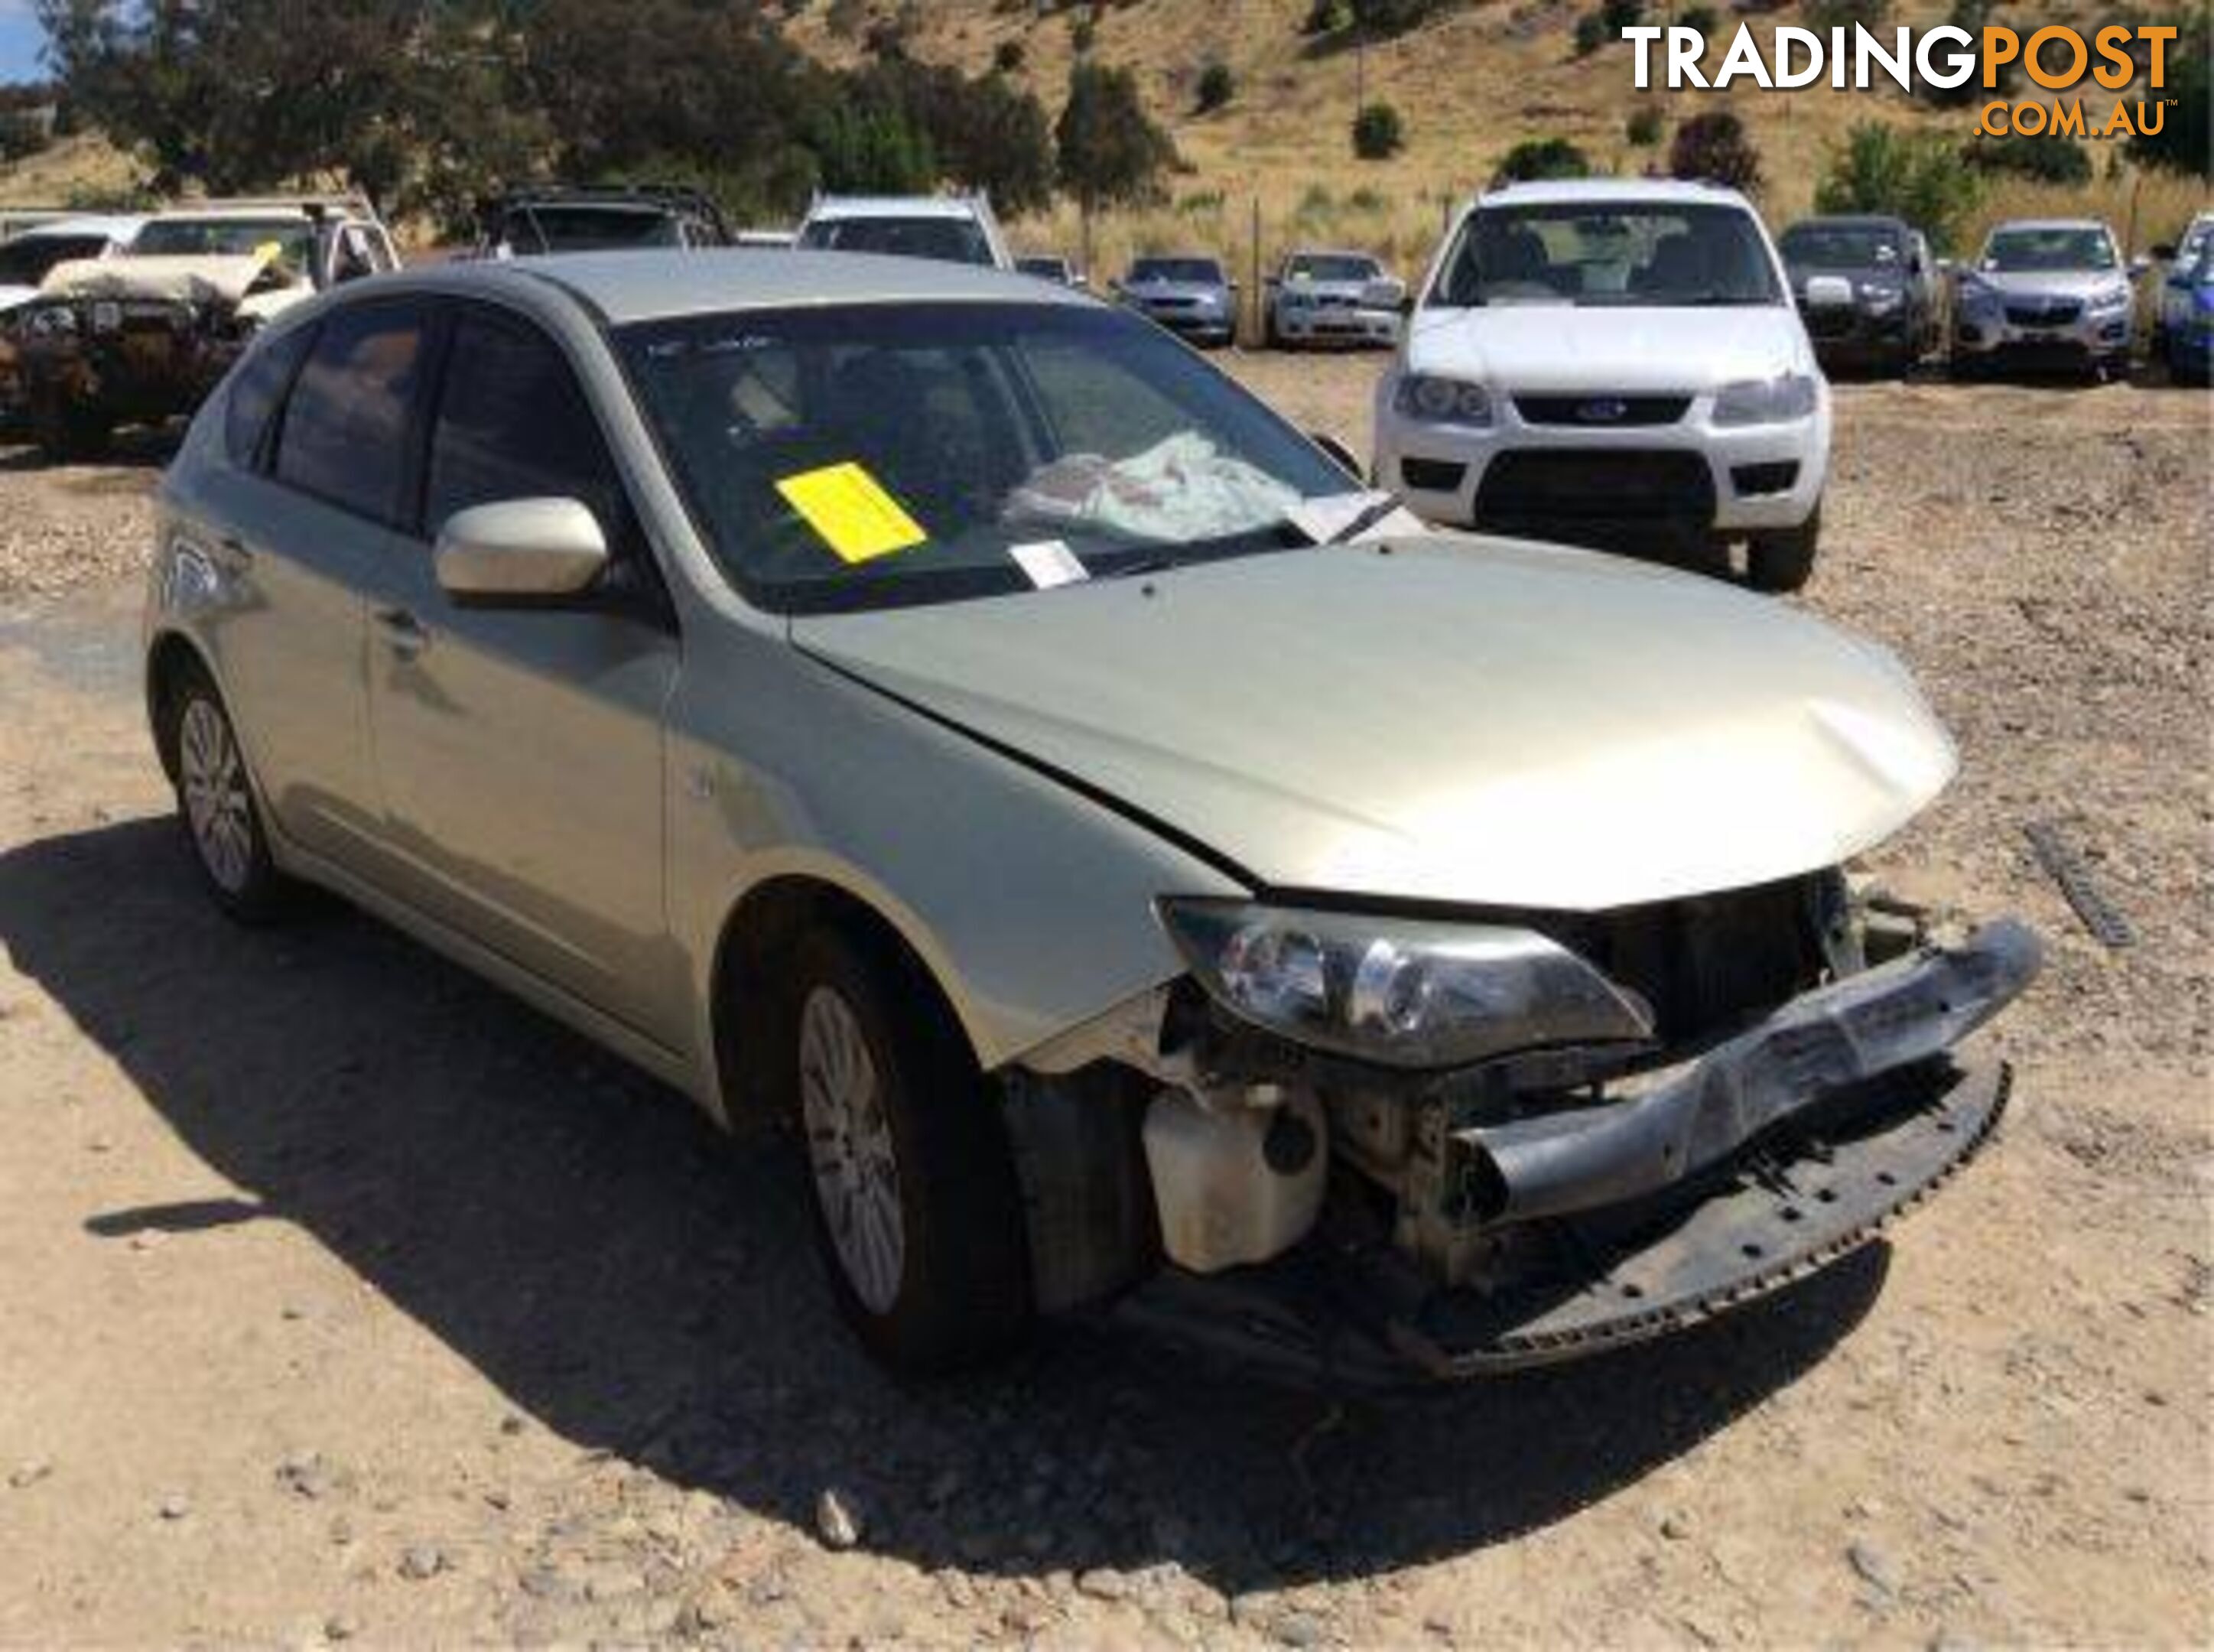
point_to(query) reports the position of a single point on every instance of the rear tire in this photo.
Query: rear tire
(217, 804)
(69, 434)
(1782, 559)
(917, 1209)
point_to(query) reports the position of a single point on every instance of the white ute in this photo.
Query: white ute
(1612, 361)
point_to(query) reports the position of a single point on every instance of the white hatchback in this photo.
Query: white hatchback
(1612, 362)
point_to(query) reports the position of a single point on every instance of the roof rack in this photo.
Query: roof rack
(310, 202)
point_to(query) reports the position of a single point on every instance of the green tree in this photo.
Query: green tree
(2049, 160)
(1916, 176)
(1542, 158)
(1217, 86)
(1378, 132)
(1716, 147)
(1109, 150)
(2185, 141)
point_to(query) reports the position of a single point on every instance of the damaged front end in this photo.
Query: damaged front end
(1471, 1145)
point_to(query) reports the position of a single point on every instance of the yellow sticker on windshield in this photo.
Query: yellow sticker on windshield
(850, 510)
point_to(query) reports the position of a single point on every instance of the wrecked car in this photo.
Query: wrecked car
(141, 337)
(1151, 871)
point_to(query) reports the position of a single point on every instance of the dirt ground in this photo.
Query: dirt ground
(341, 1298)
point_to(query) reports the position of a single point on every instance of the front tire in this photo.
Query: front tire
(1782, 559)
(918, 1213)
(217, 803)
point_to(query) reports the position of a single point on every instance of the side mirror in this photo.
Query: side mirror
(1339, 453)
(520, 551)
(2165, 252)
(2139, 266)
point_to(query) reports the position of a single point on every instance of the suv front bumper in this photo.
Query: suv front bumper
(1691, 475)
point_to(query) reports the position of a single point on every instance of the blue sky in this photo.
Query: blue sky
(19, 40)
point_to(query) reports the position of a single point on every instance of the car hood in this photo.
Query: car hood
(1175, 289)
(15, 295)
(2051, 283)
(1567, 347)
(220, 278)
(1443, 718)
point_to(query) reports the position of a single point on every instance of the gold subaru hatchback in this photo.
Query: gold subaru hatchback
(1149, 870)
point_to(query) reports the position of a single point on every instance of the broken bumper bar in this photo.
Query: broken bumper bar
(1856, 1029)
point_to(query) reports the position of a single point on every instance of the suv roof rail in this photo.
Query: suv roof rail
(335, 201)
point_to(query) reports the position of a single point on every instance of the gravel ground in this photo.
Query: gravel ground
(341, 1299)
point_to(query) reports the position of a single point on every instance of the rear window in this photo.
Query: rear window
(345, 425)
(24, 260)
(1198, 270)
(587, 228)
(950, 241)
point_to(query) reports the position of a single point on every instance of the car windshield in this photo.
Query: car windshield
(294, 238)
(1050, 267)
(1661, 255)
(1839, 246)
(1199, 272)
(548, 227)
(1331, 266)
(2017, 252)
(880, 456)
(24, 260)
(950, 241)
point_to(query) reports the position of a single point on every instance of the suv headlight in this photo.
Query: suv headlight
(1399, 992)
(2110, 298)
(1765, 401)
(1881, 298)
(1436, 401)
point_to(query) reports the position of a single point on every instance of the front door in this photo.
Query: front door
(519, 750)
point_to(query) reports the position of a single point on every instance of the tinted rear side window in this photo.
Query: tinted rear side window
(260, 381)
(513, 423)
(345, 426)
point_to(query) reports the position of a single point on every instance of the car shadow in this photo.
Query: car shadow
(148, 447)
(646, 1287)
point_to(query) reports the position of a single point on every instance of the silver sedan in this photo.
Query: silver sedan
(941, 712)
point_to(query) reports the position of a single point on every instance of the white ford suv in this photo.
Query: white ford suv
(1612, 362)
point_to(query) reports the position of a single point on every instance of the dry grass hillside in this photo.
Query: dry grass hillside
(82, 170)
(1469, 86)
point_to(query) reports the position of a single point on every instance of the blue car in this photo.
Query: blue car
(2187, 307)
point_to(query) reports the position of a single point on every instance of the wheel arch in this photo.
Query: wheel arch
(169, 658)
(749, 1027)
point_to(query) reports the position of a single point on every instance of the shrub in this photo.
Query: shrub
(1703, 18)
(1378, 132)
(1542, 158)
(1217, 85)
(1081, 34)
(1823, 15)
(1327, 17)
(2185, 141)
(1591, 33)
(1715, 147)
(1642, 127)
(1008, 57)
(1619, 15)
(1916, 176)
(2048, 159)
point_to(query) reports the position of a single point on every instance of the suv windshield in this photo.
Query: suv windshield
(294, 238)
(2030, 251)
(1654, 254)
(1839, 246)
(24, 260)
(1331, 266)
(877, 456)
(1200, 272)
(950, 241)
(569, 228)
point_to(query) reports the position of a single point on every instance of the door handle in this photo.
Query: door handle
(403, 632)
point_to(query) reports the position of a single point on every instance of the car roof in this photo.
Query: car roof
(655, 285)
(1570, 191)
(1873, 220)
(890, 206)
(1174, 258)
(1331, 252)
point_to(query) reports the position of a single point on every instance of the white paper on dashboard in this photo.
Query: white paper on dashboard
(1048, 562)
(1322, 519)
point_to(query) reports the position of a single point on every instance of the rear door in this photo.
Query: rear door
(299, 525)
(519, 750)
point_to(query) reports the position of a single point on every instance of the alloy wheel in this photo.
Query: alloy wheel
(217, 805)
(850, 1148)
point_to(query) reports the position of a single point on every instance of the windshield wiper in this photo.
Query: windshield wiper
(1381, 507)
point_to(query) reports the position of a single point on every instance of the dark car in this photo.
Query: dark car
(1867, 289)
(569, 218)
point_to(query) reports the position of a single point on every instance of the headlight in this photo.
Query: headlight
(1398, 991)
(1442, 400)
(1881, 298)
(1765, 401)
(2110, 298)
(1977, 295)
